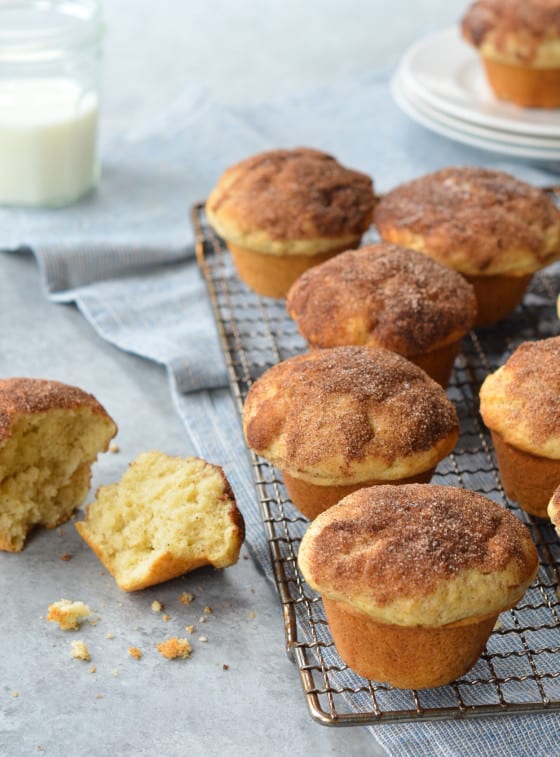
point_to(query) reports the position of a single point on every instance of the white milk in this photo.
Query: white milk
(48, 131)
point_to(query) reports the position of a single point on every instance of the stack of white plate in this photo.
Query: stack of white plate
(440, 83)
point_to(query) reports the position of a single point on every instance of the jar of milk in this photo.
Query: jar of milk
(49, 100)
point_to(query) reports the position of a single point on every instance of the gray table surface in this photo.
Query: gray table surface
(51, 703)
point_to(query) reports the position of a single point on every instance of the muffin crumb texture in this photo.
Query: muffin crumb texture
(50, 435)
(68, 614)
(80, 651)
(167, 516)
(174, 648)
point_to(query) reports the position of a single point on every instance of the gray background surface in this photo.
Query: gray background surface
(242, 52)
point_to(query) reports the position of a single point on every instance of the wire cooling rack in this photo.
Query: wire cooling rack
(519, 671)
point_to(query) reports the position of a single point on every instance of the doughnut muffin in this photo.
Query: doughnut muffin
(414, 577)
(520, 404)
(492, 228)
(553, 509)
(167, 516)
(387, 296)
(50, 436)
(519, 44)
(283, 211)
(333, 421)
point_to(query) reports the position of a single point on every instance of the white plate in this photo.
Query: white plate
(447, 73)
(534, 145)
(426, 118)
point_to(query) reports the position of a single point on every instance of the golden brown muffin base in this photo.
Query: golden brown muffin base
(273, 275)
(406, 657)
(523, 85)
(312, 499)
(438, 364)
(497, 296)
(527, 479)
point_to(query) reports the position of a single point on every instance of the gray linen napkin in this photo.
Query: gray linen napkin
(124, 255)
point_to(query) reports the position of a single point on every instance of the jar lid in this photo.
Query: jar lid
(48, 29)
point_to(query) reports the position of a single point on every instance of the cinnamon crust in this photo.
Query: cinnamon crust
(419, 555)
(382, 295)
(348, 415)
(291, 202)
(26, 396)
(477, 221)
(515, 29)
(521, 400)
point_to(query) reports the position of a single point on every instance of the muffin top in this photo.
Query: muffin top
(419, 554)
(477, 221)
(521, 400)
(522, 32)
(26, 396)
(554, 509)
(382, 295)
(299, 201)
(347, 415)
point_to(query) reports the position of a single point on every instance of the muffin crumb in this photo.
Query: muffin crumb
(135, 652)
(186, 597)
(68, 614)
(80, 651)
(174, 648)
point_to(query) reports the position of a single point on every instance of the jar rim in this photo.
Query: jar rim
(44, 29)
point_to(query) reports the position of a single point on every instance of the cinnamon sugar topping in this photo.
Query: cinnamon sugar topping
(294, 194)
(335, 409)
(401, 541)
(382, 295)
(533, 20)
(474, 220)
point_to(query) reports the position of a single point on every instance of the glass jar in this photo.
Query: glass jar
(49, 100)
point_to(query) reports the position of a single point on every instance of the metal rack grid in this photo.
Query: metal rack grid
(519, 671)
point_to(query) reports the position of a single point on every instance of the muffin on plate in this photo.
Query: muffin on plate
(520, 404)
(553, 509)
(519, 44)
(414, 577)
(387, 296)
(333, 421)
(492, 228)
(283, 211)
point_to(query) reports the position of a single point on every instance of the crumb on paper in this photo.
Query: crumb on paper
(208, 610)
(174, 648)
(110, 635)
(114, 448)
(186, 597)
(100, 696)
(190, 629)
(93, 669)
(135, 652)
(225, 667)
(166, 617)
(252, 614)
(203, 639)
(68, 614)
(115, 673)
(80, 651)
(15, 694)
(202, 619)
(157, 606)
(66, 556)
